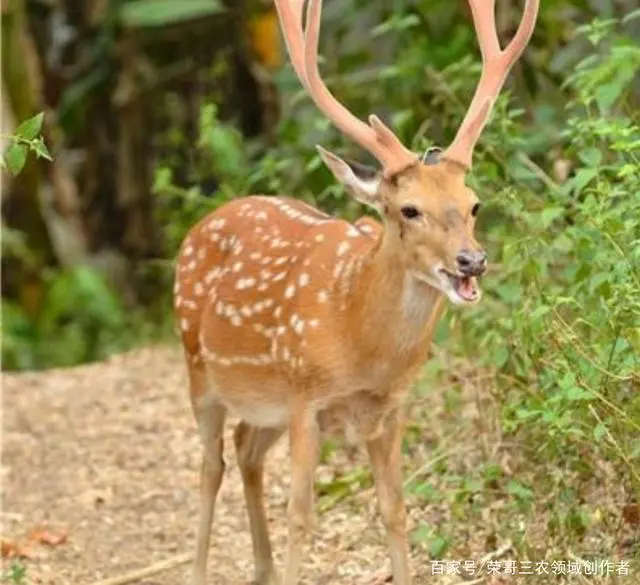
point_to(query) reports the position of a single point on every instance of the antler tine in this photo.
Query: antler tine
(291, 26)
(496, 64)
(377, 138)
(521, 39)
(486, 30)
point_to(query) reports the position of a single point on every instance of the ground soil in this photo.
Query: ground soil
(109, 452)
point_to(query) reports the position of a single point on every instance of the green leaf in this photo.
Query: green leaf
(581, 179)
(41, 149)
(314, 163)
(438, 546)
(16, 574)
(425, 491)
(549, 215)
(30, 129)
(631, 16)
(628, 170)
(518, 490)
(577, 393)
(492, 472)
(599, 431)
(80, 295)
(162, 179)
(422, 533)
(500, 356)
(539, 312)
(524, 414)
(396, 23)
(608, 93)
(150, 13)
(509, 292)
(590, 156)
(225, 145)
(15, 157)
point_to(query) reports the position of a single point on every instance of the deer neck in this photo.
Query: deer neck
(392, 306)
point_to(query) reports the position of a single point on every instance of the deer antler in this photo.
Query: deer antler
(376, 137)
(302, 47)
(496, 64)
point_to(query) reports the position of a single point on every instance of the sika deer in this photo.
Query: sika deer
(295, 320)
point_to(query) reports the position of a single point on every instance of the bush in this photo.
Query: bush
(560, 323)
(82, 320)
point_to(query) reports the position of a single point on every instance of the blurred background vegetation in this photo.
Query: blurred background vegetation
(156, 112)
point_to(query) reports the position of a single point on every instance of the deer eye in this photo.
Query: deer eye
(410, 212)
(475, 209)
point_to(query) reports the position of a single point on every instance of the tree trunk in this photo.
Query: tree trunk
(22, 210)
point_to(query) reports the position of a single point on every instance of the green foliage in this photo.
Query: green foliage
(156, 13)
(220, 149)
(436, 543)
(560, 322)
(81, 320)
(222, 144)
(27, 138)
(561, 318)
(557, 170)
(15, 574)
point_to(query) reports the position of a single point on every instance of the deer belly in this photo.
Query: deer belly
(259, 402)
(264, 415)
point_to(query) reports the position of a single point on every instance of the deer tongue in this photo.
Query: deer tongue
(466, 288)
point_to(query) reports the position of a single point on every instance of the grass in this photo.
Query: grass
(15, 574)
(479, 496)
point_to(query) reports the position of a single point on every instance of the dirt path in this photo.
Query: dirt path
(109, 452)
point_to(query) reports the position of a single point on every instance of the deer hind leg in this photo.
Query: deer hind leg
(210, 416)
(304, 439)
(252, 444)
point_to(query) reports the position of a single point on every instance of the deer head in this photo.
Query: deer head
(428, 211)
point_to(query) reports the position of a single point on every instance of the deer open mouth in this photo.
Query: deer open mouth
(466, 287)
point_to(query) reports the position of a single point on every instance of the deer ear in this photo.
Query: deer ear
(360, 181)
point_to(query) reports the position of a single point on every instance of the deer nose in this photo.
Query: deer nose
(472, 263)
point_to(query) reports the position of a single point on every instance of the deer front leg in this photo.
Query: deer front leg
(386, 461)
(304, 442)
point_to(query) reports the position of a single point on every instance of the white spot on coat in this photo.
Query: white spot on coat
(244, 283)
(343, 248)
(303, 279)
